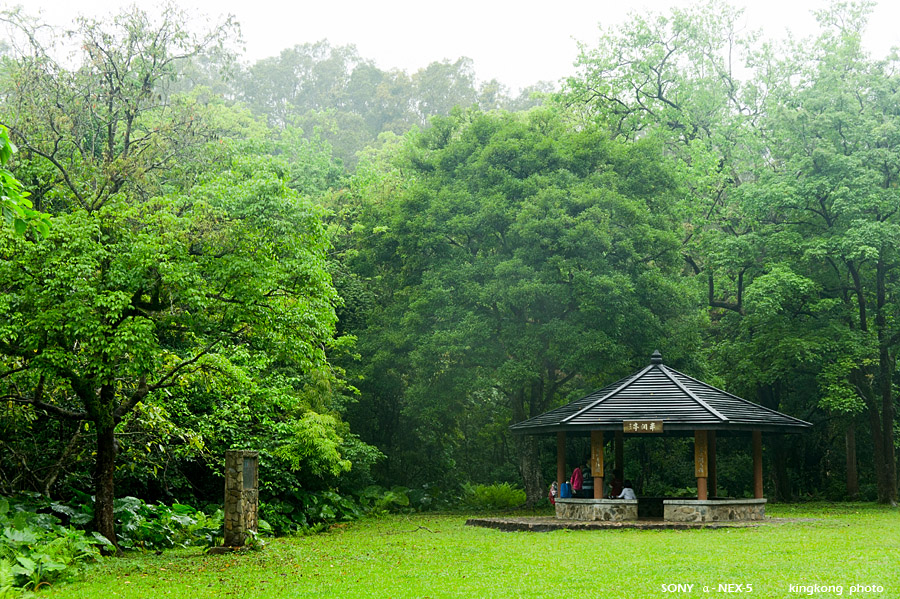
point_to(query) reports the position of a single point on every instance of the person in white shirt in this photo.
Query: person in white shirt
(627, 491)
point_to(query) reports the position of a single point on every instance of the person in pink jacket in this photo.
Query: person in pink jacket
(577, 481)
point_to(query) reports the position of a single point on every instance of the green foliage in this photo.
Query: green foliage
(835, 381)
(147, 526)
(35, 549)
(334, 93)
(188, 300)
(303, 512)
(515, 262)
(200, 261)
(378, 500)
(7, 580)
(142, 525)
(293, 510)
(502, 496)
(15, 206)
(789, 215)
(834, 186)
(315, 444)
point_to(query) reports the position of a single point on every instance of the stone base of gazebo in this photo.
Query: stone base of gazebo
(608, 510)
(713, 510)
(674, 510)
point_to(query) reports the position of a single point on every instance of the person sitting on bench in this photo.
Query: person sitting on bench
(627, 491)
(615, 486)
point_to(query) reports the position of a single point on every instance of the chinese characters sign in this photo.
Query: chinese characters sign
(643, 426)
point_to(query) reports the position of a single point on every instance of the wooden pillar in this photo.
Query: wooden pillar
(597, 462)
(560, 458)
(711, 444)
(701, 464)
(620, 452)
(757, 465)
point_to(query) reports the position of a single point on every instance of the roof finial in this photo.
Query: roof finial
(656, 358)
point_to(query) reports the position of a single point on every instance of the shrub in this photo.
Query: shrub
(297, 510)
(139, 525)
(501, 496)
(148, 526)
(35, 549)
(377, 500)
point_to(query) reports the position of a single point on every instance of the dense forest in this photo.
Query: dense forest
(368, 275)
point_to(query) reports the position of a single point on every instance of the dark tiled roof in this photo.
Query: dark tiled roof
(659, 393)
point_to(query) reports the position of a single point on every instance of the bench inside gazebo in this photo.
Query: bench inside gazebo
(658, 400)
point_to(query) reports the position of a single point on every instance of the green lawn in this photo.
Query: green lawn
(437, 556)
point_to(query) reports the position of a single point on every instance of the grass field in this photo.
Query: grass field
(438, 556)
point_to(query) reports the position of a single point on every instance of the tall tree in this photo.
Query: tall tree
(522, 260)
(154, 268)
(441, 86)
(833, 127)
(674, 76)
(763, 159)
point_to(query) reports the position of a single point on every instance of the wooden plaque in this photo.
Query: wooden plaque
(596, 454)
(701, 458)
(642, 426)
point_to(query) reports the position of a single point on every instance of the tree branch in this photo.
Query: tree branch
(54, 161)
(139, 394)
(54, 411)
(733, 306)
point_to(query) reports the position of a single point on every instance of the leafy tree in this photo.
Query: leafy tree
(530, 96)
(441, 86)
(834, 132)
(347, 100)
(673, 77)
(519, 261)
(764, 160)
(156, 270)
(144, 295)
(303, 78)
(328, 91)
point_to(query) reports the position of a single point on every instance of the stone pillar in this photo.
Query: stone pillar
(711, 445)
(757, 465)
(701, 464)
(560, 458)
(597, 462)
(241, 496)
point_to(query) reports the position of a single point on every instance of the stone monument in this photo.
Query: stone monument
(241, 496)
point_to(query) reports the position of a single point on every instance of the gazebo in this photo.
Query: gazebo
(658, 400)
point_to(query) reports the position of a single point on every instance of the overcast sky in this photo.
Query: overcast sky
(516, 42)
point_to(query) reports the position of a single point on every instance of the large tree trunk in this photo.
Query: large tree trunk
(779, 447)
(885, 459)
(887, 480)
(528, 447)
(852, 473)
(887, 477)
(780, 455)
(878, 452)
(867, 392)
(530, 467)
(890, 460)
(104, 519)
(535, 399)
